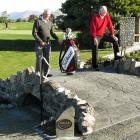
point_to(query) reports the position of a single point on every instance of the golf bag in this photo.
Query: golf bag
(69, 59)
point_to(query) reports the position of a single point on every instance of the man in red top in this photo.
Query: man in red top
(98, 24)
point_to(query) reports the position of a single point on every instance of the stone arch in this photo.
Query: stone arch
(55, 97)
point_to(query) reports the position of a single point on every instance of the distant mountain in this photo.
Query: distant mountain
(25, 14)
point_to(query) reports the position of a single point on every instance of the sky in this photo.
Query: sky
(35, 5)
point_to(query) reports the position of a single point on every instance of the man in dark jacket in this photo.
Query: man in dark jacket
(98, 24)
(42, 30)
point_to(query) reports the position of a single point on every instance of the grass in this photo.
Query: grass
(16, 37)
(135, 56)
(17, 52)
(16, 32)
(13, 61)
(17, 26)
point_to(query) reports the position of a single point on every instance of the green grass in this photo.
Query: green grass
(20, 34)
(16, 37)
(18, 26)
(11, 62)
(135, 56)
(16, 32)
(17, 52)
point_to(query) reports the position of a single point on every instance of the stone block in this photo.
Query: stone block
(137, 68)
(132, 67)
(65, 123)
(127, 64)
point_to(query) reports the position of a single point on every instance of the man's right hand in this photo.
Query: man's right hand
(42, 44)
(96, 41)
(58, 43)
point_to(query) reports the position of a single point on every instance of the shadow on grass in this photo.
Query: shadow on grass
(17, 45)
(22, 45)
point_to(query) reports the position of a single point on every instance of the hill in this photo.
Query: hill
(25, 14)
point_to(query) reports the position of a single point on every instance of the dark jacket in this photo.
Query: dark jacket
(42, 30)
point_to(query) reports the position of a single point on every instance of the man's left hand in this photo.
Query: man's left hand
(115, 38)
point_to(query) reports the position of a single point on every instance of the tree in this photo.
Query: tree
(78, 12)
(4, 18)
(52, 18)
(60, 22)
(32, 18)
(78, 15)
(19, 20)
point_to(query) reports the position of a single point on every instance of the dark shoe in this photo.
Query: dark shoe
(49, 75)
(95, 68)
(118, 57)
(106, 63)
(69, 73)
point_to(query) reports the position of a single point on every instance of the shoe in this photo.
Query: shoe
(95, 69)
(118, 57)
(69, 73)
(49, 75)
(106, 63)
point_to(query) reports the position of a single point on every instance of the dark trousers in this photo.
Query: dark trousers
(101, 40)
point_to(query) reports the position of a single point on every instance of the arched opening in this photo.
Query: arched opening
(34, 104)
(31, 100)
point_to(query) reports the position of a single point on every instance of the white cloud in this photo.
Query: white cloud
(23, 5)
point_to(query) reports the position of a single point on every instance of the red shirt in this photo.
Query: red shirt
(98, 25)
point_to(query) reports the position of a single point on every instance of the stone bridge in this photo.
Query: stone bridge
(114, 97)
(25, 87)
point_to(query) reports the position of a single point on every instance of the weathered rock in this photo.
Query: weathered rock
(128, 66)
(137, 68)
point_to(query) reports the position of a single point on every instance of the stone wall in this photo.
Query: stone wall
(55, 97)
(127, 66)
(137, 30)
(127, 31)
